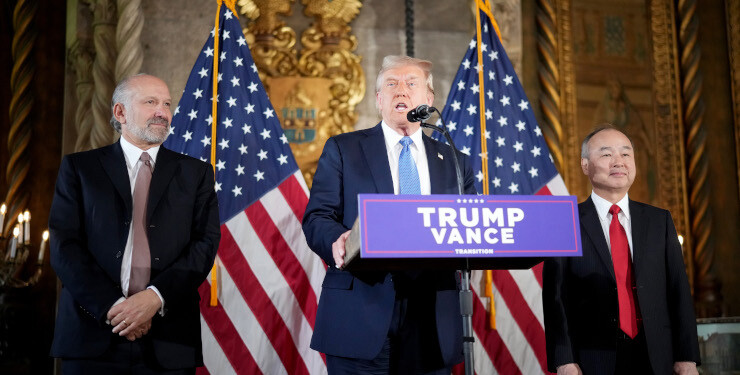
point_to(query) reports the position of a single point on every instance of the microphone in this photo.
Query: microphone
(420, 113)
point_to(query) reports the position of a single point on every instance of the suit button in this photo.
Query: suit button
(156, 259)
(152, 226)
(118, 254)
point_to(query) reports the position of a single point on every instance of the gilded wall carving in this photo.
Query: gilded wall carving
(314, 90)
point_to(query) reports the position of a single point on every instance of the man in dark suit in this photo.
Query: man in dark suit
(625, 306)
(134, 231)
(379, 321)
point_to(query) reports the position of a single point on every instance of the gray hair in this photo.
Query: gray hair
(395, 61)
(600, 128)
(122, 94)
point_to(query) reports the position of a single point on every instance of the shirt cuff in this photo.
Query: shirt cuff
(154, 288)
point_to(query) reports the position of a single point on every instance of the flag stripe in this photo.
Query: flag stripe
(294, 195)
(524, 317)
(225, 333)
(531, 291)
(257, 299)
(491, 341)
(537, 270)
(278, 207)
(284, 258)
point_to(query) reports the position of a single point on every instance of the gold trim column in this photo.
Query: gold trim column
(81, 58)
(128, 38)
(21, 104)
(732, 10)
(706, 286)
(104, 39)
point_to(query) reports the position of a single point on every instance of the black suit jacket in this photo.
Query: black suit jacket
(580, 296)
(89, 224)
(355, 308)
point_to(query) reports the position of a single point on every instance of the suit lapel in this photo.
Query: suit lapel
(639, 225)
(164, 169)
(436, 165)
(376, 157)
(592, 225)
(114, 164)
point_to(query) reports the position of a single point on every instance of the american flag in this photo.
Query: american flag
(268, 278)
(519, 162)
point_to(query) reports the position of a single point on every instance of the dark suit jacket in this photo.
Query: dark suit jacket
(89, 225)
(355, 309)
(580, 296)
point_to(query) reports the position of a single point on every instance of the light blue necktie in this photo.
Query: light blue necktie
(408, 176)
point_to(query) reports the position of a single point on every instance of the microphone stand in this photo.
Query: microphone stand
(466, 295)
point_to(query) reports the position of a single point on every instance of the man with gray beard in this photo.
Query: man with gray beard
(134, 231)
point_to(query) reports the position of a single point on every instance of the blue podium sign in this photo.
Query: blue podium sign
(468, 226)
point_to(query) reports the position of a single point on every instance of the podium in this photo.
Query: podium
(461, 232)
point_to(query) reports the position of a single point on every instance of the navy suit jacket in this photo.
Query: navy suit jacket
(580, 296)
(89, 224)
(355, 308)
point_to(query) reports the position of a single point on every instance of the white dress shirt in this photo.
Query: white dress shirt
(418, 153)
(132, 154)
(605, 218)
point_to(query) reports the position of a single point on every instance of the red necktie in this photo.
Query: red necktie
(141, 262)
(623, 274)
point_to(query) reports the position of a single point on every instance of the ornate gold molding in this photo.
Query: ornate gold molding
(21, 104)
(128, 38)
(706, 289)
(315, 91)
(732, 8)
(81, 57)
(668, 124)
(104, 39)
(557, 81)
